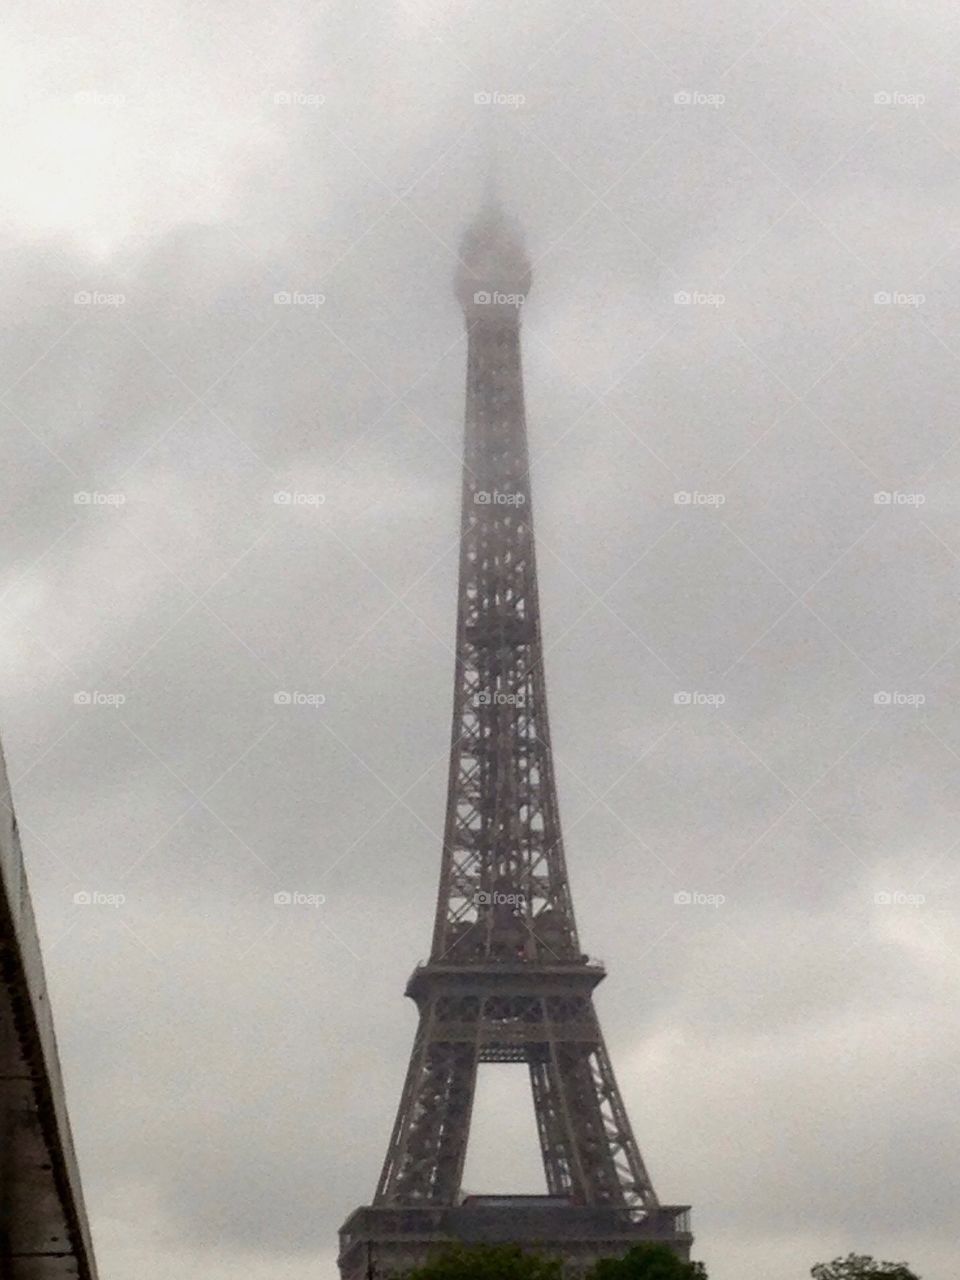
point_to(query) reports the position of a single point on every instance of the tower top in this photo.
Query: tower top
(494, 276)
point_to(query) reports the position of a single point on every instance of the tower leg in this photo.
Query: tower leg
(428, 1147)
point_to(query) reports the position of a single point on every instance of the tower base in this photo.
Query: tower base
(383, 1242)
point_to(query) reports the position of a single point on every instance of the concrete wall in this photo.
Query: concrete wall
(43, 1227)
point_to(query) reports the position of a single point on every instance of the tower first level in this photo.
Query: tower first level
(600, 1199)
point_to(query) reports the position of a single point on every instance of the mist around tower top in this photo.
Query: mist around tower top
(494, 274)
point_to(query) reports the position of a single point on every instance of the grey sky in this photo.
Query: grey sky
(233, 1066)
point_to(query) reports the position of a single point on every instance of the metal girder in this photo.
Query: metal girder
(503, 888)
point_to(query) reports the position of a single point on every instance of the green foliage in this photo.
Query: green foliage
(648, 1262)
(509, 1262)
(487, 1262)
(858, 1266)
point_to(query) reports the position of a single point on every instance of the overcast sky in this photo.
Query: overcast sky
(788, 1054)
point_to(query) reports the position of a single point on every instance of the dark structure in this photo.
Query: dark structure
(506, 980)
(43, 1227)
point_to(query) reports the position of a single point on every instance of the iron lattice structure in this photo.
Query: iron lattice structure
(506, 980)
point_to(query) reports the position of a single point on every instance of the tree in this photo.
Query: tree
(488, 1262)
(648, 1262)
(858, 1266)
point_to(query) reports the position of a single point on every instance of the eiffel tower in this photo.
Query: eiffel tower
(506, 980)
